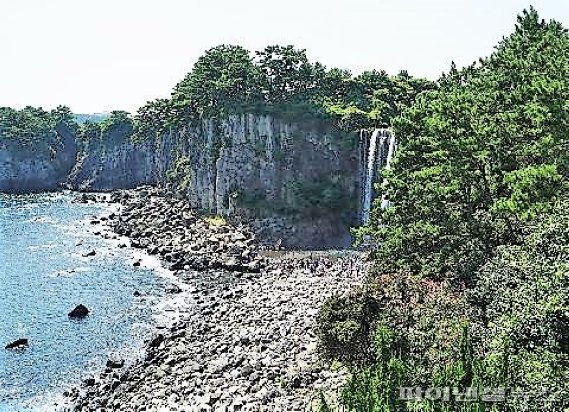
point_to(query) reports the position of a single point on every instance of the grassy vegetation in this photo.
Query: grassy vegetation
(472, 271)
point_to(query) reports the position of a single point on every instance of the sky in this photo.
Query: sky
(102, 55)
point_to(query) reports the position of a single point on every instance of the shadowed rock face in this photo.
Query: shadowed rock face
(39, 166)
(113, 162)
(245, 165)
(214, 161)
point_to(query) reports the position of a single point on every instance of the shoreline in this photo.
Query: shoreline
(243, 337)
(82, 235)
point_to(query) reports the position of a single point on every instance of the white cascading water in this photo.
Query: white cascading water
(390, 154)
(375, 163)
(370, 175)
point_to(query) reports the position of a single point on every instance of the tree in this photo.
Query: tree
(224, 78)
(119, 123)
(479, 156)
(28, 124)
(282, 81)
(287, 72)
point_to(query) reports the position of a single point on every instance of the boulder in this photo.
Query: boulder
(114, 363)
(89, 382)
(79, 312)
(154, 343)
(179, 265)
(174, 290)
(18, 344)
(89, 254)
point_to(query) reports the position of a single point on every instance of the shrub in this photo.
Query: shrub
(479, 157)
(376, 388)
(345, 328)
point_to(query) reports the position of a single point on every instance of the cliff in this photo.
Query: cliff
(37, 166)
(225, 166)
(259, 162)
(113, 161)
(246, 166)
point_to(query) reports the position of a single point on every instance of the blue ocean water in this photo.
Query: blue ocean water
(43, 275)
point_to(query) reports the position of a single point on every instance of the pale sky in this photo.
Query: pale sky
(100, 55)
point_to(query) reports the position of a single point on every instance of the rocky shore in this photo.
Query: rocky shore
(245, 336)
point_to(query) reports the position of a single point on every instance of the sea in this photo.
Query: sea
(44, 274)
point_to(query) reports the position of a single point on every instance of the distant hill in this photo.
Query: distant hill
(94, 117)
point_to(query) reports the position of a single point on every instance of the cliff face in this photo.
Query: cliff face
(242, 163)
(246, 165)
(260, 162)
(38, 166)
(113, 162)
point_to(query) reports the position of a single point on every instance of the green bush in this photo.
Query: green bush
(478, 157)
(345, 328)
(29, 124)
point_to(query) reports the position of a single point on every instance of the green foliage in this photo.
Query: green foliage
(323, 405)
(89, 130)
(427, 315)
(376, 388)
(522, 296)
(476, 242)
(224, 78)
(345, 328)
(531, 190)
(181, 172)
(479, 156)
(382, 386)
(287, 74)
(119, 123)
(29, 124)
(281, 81)
(155, 118)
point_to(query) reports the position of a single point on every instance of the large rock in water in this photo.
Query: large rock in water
(18, 344)
(115, 363)
(79, 312)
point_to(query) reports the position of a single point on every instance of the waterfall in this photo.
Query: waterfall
(370, 175)
(376, 161)
(390, 154)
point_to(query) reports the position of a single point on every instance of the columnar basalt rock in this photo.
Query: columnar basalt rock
(39, 165)
(216, 163)
(252, 166)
